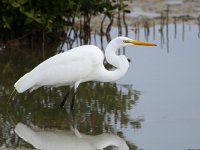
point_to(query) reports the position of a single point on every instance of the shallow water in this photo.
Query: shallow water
(170, 98)
(155, 106)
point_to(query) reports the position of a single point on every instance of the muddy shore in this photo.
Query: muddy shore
(151, 12)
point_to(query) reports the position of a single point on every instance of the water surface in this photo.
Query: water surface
(170, 98)
(155, 106)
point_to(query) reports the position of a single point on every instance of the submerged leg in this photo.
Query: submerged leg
(64, 99)
(73, 100)
(74, 95)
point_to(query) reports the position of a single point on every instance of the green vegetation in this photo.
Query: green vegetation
(36, 18)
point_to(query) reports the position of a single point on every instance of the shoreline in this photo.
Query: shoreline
(147, 13)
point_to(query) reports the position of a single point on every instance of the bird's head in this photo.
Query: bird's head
(124, 41)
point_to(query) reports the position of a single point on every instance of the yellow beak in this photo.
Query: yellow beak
(136, 42)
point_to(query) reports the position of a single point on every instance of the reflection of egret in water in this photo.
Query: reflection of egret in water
(68, 140)
(107, 113)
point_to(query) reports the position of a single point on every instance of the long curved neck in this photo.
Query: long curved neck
(110, 54)
(120, 62)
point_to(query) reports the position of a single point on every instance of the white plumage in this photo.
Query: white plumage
(77, 65)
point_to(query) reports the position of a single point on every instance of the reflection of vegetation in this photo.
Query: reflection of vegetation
(99, 107)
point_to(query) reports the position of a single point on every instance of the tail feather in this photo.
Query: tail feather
(24, 83)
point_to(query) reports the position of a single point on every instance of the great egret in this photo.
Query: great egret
(78, 65)
(68, 140)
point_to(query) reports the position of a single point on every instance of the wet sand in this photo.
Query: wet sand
(177, 7)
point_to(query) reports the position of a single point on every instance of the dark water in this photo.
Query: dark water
(155, 106)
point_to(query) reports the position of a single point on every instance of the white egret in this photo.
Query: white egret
(68, 140)
(78, 65)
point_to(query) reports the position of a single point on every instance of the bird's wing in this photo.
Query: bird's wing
(68, 67)
(77, 54)
(62, 69)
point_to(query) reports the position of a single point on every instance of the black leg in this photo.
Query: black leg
(64, 99)
(73, 100)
